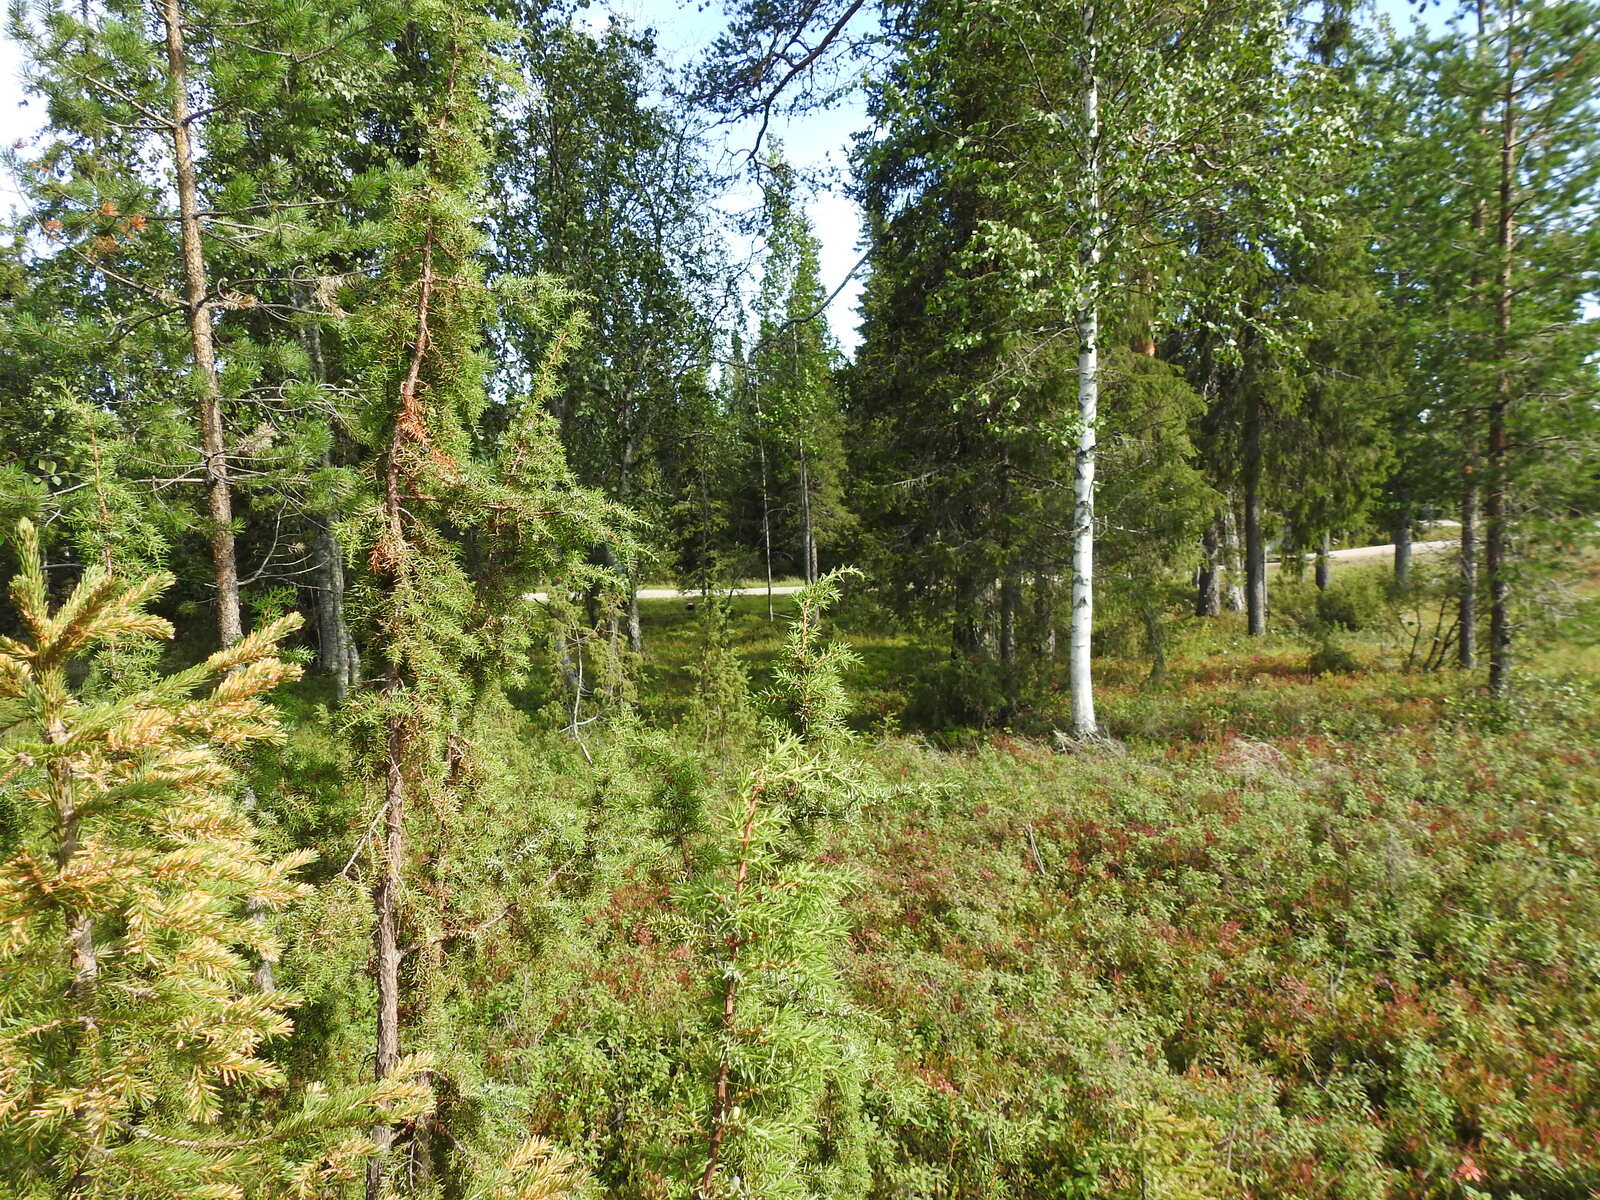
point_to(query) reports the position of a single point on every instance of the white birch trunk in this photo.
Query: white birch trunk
(1081, 626)
(1082, 617)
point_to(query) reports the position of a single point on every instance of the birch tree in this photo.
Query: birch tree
(1108, 129)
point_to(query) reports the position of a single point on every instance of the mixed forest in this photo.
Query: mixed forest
(1130, 728)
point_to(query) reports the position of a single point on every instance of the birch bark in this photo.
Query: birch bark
(1081, 619)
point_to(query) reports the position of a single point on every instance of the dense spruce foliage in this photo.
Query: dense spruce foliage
(1130, 726)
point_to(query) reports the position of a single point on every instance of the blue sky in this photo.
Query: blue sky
(821, 140)
(683, 30)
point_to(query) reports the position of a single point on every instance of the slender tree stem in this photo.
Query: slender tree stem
(1255, 542)
(63, 792)
(409, 428)
(197, 311)
(1081, 630)
(1496, 504)
(1402, 547)
(720, 1100)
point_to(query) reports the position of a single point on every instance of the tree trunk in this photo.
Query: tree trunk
(766, 517)
(1494, 554)
(1081, 619)
(1154, 640)
(808, 547)
(766, 507)
(967, 632)
(1496, 502)
(1081, 623)
(406, 418)
(1291, 558)
(1208, 592)
(197, 312)
(570, 660)
(386, 932)
(1255, 545)
(1233, 589)
(80, 926)
(1467, 646)
(261, 975)
(721, 1098)
(1324, 562)
(352, 659)
(630, 455)
(591, 597)
(1010, 602)
(335, 651)
(1402, 548)
(1044, 617)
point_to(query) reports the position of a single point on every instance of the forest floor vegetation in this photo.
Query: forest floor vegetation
(1305, 929)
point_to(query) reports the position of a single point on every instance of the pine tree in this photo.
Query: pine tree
(1546, 255)
(1490, 250)
(130, 1038)
(702, 466)
(186, 174)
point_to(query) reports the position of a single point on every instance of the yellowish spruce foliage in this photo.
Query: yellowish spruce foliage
(130, 1038)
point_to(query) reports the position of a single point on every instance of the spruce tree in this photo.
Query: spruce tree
(131, 1041)
(792, 366)
(601, 183)
(1541, 78)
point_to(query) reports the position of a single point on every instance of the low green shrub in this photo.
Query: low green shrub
(959, 692)
(1357, 600)
(1332, 658)
(1354, 602)
(1307, 937)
